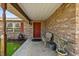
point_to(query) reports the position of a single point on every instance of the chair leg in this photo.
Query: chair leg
(46, 44)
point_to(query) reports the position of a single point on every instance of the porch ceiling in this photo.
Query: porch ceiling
(39, 11)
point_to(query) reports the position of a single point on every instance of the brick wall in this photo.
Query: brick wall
(62, 23)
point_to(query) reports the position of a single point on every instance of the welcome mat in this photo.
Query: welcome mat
(36, 40)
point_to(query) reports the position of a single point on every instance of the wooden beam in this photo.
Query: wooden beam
(4, 36)
(15, 5)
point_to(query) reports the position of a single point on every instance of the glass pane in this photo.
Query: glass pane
(16, 24)
(9, 25)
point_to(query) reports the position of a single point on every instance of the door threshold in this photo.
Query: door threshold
(36, 39)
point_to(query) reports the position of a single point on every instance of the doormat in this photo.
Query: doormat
(36, 40)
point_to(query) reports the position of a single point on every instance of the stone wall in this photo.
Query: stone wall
(62, 23)
(77, 29)
(29, 28)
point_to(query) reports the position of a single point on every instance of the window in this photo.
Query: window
(17, 27)
(13, 27)
(9, 27)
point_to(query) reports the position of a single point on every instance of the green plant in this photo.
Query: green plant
(62, 51)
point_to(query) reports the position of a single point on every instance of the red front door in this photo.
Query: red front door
(37, 29)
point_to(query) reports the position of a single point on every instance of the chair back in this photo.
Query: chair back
(48, 36)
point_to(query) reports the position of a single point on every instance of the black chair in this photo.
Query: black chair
(21, 37)
(51, 44)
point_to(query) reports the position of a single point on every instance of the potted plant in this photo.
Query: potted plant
(61, 52)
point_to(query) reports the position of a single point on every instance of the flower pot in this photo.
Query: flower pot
(61, 52)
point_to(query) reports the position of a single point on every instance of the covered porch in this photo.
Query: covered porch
(38, 19)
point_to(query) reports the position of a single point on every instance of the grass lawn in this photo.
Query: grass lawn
(12, 47)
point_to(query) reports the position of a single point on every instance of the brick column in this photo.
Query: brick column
(22, 27)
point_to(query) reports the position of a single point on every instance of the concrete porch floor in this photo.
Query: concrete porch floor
(30, 48)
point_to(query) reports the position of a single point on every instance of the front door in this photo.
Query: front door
(37, 29)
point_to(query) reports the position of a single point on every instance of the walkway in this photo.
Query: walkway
(30, 48)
